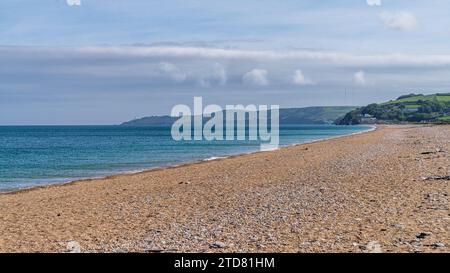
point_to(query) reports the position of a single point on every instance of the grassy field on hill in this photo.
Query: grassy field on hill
(408, 108)
(415, 98)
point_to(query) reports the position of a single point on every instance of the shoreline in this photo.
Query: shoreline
(181, 164)
(356, 193)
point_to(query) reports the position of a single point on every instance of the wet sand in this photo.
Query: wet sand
(382, 191)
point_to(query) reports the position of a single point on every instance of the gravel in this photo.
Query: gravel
(361, 193)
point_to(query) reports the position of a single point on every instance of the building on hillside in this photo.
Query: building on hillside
(368, 119)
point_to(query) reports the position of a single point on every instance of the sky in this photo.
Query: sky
(109, 61)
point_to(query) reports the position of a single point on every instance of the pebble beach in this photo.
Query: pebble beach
(382, 191)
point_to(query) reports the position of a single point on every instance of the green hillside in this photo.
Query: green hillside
(313, 115)
(408, 108)
(308, 115)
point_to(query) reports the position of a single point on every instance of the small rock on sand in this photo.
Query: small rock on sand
(73, 247)
(218, 245)
(422, 235)
(373, 247)
(438, 245)
(399, 226)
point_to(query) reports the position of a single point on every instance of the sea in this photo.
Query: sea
(33, 156)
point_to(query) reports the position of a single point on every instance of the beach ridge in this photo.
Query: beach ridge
(175, 165)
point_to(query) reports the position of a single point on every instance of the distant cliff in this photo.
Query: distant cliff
(307, 115)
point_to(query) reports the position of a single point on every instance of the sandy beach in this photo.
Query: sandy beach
(382, 191)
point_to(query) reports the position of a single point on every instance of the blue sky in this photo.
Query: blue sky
(107, 61)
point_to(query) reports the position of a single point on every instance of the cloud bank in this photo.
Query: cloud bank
(149, 80)
(210, 66)
(334, 58)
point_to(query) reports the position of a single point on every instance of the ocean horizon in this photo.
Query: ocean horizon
(33, 156)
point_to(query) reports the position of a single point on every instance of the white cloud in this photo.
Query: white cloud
(335, 58)
(359, 78)
(218, 75)
(256, 77)
(374, 2)
(173, 71)
(399, 20)
(204, 82)
(74, 2)
(300, 79)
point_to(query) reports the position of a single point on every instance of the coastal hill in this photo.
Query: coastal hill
(308, 115)
(415, 108)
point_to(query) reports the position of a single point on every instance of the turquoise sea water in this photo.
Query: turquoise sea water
(38, 155)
